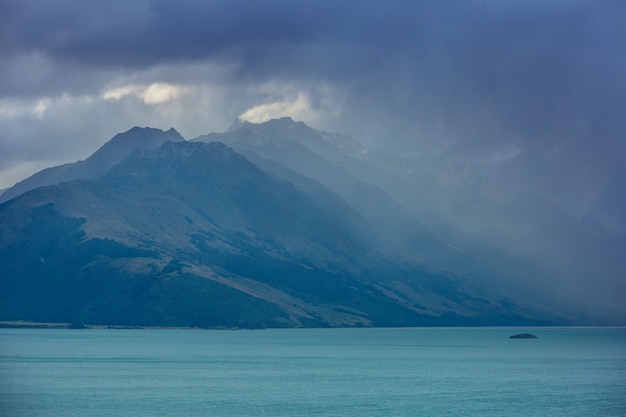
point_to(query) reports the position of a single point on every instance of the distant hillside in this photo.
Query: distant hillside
(501, 236)
(153, 230)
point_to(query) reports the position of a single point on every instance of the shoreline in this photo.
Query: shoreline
(23, 324)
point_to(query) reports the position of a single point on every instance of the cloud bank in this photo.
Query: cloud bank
(530, 93)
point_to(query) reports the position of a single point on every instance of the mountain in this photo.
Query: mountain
(168, 226)
(284, 230)
(449, 216)
(291, 151)
(104, 158)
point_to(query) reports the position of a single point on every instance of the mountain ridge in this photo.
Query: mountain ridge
(192, 233)
(99, 162)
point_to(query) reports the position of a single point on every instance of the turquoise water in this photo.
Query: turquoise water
(313, 372)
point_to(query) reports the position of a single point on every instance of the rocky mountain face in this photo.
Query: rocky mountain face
(292, 227)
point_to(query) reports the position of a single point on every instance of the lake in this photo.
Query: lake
(313, 372)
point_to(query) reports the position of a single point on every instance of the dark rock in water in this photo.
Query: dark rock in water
(523, 336)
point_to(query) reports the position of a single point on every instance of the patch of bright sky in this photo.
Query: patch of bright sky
(156, 93)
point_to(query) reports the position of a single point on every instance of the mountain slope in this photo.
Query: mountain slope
(97, 164)
(284, 148)
(194, 234)
(452, 218)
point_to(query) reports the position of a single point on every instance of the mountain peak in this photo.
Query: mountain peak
(146, 134)
(285, 131)
(124, 143)
(238, 124)
(110, 154)
(283, 122)
(284, 128)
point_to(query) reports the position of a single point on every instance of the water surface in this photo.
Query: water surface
(313, 372)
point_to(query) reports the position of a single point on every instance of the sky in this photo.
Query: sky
(528, 92)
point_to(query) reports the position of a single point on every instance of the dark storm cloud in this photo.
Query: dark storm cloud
(468, 80)
(514, 51)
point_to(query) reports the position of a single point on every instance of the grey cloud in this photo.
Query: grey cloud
(490, 45)
(458, 79)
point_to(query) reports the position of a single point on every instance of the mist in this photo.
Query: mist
(474, 228)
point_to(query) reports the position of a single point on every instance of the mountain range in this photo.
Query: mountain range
(280, 225)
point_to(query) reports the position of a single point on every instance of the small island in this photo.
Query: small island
(523, 336)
